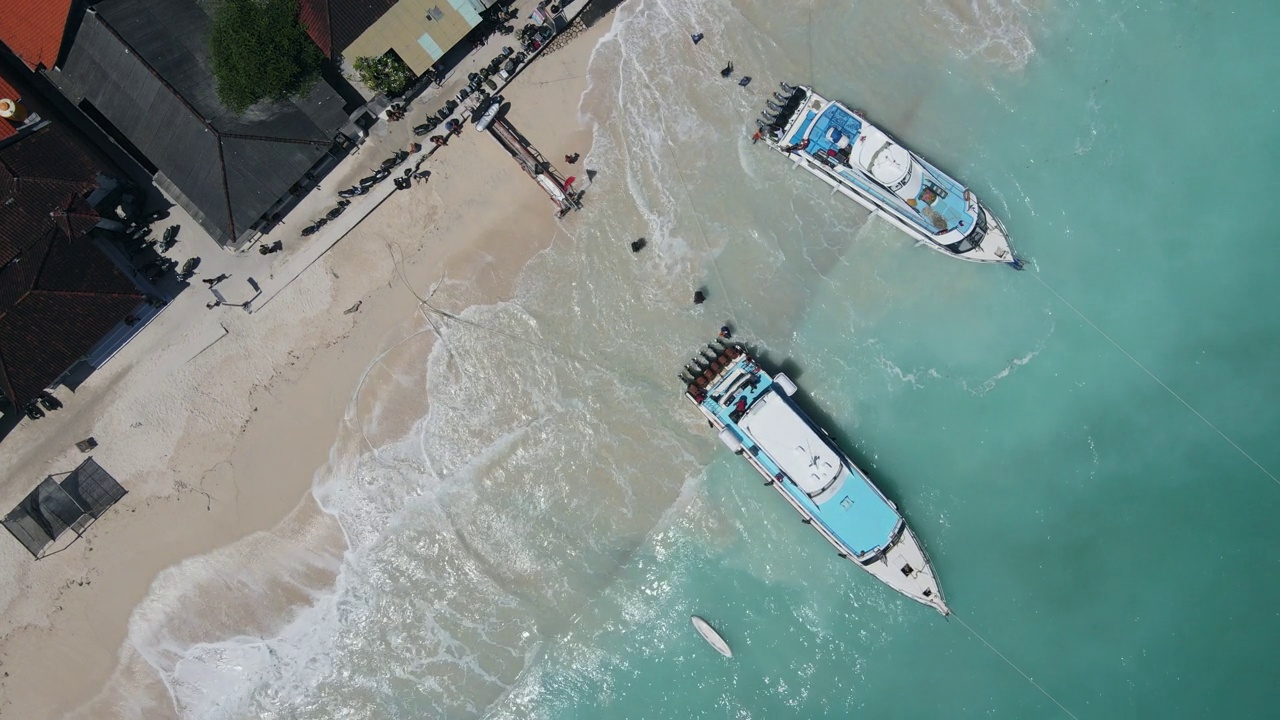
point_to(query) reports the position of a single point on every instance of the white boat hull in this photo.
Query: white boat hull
(712, 637)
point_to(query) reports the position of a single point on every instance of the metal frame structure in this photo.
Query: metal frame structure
(53, 507)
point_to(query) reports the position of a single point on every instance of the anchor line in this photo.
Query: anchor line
(1158, 381)
(1011, 664)
(812, 80)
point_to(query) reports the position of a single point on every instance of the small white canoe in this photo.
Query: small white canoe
(709, 634)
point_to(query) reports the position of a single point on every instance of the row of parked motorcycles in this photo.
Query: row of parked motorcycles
(47, 401)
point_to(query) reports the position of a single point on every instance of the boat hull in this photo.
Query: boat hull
(899, 562)
(785, 133)
(712, 637)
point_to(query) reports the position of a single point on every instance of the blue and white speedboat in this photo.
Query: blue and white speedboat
(756, 418)
(858, 159)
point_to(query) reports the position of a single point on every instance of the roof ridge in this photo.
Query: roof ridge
(74, 185)
(226, 189)
(82, 293)
(154, 73)
(268, 138)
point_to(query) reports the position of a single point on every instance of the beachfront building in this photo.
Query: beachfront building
(420, 32)
(141, 71)
(63, 301)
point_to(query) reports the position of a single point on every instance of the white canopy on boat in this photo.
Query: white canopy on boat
(792, 443)
(889, 163)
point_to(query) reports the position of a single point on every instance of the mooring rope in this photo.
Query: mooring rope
(1013, 665)
(1159, 382)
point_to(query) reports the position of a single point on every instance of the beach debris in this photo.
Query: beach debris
(727, 71)
(86, 444)
(638, 245)
(745, 81)
(699, 297)
(353, 309)
(697, 38)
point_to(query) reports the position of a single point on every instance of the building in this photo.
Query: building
(420, 32)
(141, 71)
(33, 29)
(60, 295)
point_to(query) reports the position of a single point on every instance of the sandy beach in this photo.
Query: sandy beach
(218, 421)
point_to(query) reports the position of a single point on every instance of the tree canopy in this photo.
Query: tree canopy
(386, 74)
(261, 52)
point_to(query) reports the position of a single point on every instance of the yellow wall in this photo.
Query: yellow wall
(401, 27)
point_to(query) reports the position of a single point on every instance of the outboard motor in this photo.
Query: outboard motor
(781, 97)
(771, 119)
(788, 89)
(773, 106)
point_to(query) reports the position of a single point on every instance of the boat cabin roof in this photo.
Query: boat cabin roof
(792, 443)
(842, 141)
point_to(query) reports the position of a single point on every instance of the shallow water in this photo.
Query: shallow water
(1075, 444)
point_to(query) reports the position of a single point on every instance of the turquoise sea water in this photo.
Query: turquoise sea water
(1074, 444)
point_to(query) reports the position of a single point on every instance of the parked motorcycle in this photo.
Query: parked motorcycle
(33, 410)
(353, 191)
(395, 160)
(189, 268)
(334, 213)
(274, 247)
(170, 238)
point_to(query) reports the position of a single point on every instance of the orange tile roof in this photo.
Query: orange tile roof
(33, 29)
(7, 130)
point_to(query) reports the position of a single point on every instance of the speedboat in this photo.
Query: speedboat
(859, 160)
(756, 417)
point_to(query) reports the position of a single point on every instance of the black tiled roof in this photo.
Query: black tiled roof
(144, 64)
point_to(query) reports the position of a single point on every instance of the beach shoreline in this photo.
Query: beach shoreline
(220, 446)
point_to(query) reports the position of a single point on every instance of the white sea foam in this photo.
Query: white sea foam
(998, 30)
(484, 546)
(990, 383)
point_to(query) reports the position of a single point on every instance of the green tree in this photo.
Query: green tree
(386, 74)
(261, 52)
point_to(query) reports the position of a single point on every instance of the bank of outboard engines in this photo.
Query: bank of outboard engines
(778, 113)
(707, 364)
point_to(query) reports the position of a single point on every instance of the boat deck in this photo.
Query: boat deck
(857, 514)
(835, 130)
